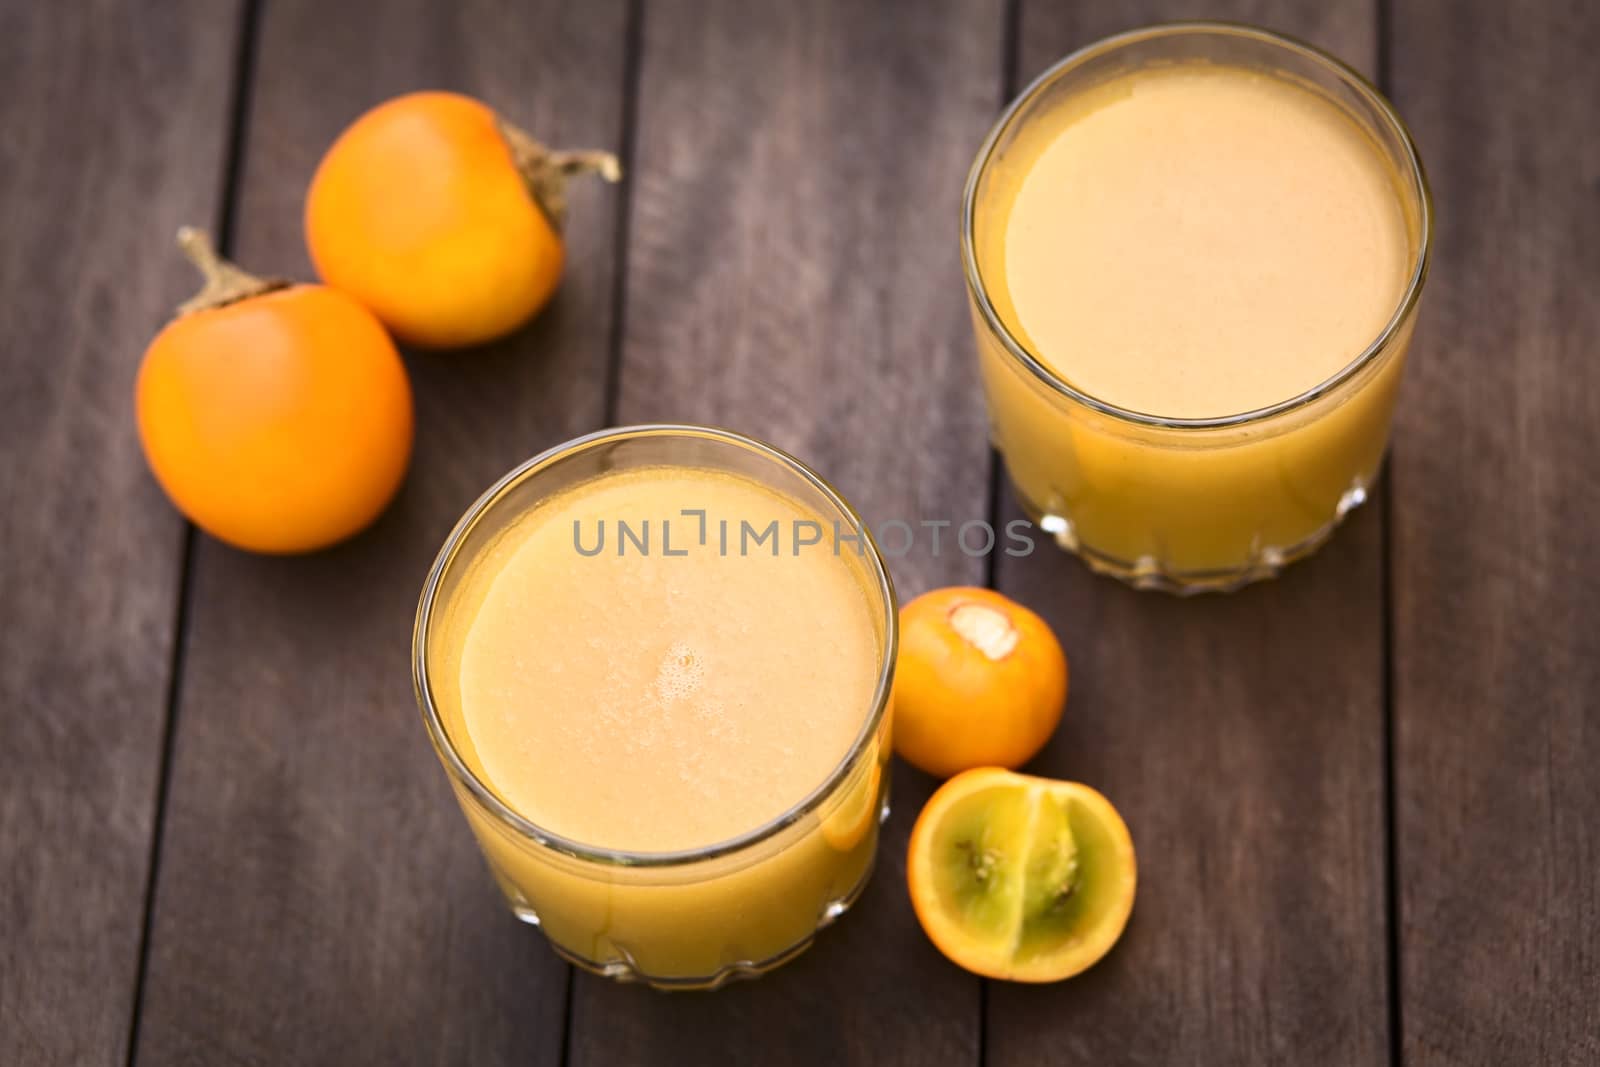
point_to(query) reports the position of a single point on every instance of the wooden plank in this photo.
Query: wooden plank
(1495, 576)
(320, 898)
(1242, 738)
(115, 126)
(793, 272)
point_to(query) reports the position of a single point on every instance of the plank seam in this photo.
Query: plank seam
(1010, 61)
(1390, 813)
(633, 53)
(1391, 817)
(627, 149)
(237, 114)
(1391, 858)
(163, 786)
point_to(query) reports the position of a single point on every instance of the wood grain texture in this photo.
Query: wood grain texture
(115, 126)
(1242, 738)
(320, 898)
(1495, 574)
(793, 266)
(794, 273)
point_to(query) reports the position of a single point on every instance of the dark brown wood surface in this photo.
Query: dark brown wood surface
(1495, 572)
(1364, 795)
(113, 130)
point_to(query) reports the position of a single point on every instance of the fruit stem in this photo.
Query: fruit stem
(224, 282)
(547, 172)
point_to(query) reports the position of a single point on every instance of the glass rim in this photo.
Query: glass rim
(548, 839)
(1395, 126)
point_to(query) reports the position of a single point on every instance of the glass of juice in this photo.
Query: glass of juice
(1194, 254)
(656, 664)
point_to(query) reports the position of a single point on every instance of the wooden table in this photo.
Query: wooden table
(1365, 796)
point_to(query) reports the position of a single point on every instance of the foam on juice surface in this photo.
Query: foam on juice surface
(651, 702)
(1201, 240)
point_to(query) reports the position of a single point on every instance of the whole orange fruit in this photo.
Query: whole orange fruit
(277, 417)
(442, 218)
(980, 682)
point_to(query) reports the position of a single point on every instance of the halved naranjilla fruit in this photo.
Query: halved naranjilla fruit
(1022, 878)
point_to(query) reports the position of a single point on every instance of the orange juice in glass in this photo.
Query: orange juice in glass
(1194, 254)
(656, 665)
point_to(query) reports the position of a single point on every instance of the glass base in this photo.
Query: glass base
(624, 968)
(1149, 573)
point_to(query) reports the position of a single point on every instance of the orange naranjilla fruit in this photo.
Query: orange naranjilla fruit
(1021, 878)
(277, 417)
(443, 218)
(980, 682)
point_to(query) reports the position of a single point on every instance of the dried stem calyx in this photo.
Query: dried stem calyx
(547, 171)
(224, 283)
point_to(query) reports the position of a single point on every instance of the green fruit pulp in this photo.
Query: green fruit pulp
(1027, 870)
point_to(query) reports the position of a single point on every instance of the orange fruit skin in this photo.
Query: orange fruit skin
(946, 933)
(281, 423)
(956, 707)
(419, 212)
